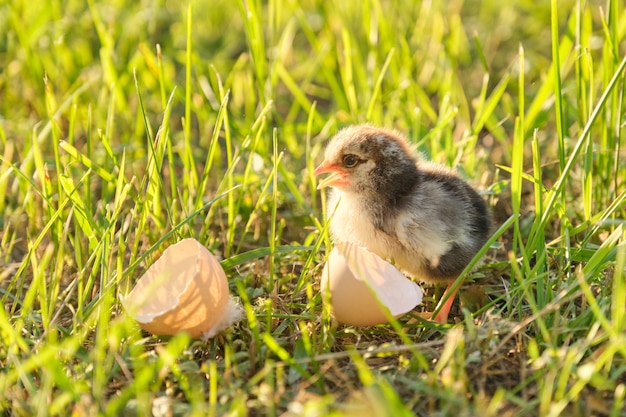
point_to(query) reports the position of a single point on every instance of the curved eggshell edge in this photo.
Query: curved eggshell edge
(363, 289)
(184, 290)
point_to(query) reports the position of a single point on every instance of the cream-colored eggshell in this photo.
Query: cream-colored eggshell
(360, 286)
(184, 290)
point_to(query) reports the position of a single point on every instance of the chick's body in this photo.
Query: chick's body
(420, 215)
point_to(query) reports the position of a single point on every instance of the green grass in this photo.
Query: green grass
(127, 126)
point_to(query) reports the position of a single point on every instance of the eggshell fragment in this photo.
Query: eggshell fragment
(360, 286)
(184, 290)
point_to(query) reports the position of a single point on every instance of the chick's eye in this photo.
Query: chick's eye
(350, 161)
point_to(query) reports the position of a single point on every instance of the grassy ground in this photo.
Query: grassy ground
(127, 126)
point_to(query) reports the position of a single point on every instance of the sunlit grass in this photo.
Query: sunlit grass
(127, 127)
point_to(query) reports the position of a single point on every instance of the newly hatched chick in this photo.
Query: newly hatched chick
(418, 214)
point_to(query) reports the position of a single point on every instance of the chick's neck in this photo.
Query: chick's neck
(393, 182)
(387, 193)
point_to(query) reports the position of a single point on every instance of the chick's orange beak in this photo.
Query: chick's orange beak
(336, 178)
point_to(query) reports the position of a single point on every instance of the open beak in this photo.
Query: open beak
(337, 176)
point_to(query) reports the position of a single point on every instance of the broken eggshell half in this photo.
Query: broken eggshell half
(360, 286)
(185, 290)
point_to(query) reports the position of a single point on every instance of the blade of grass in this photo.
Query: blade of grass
(558, 94)
(559, 186)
